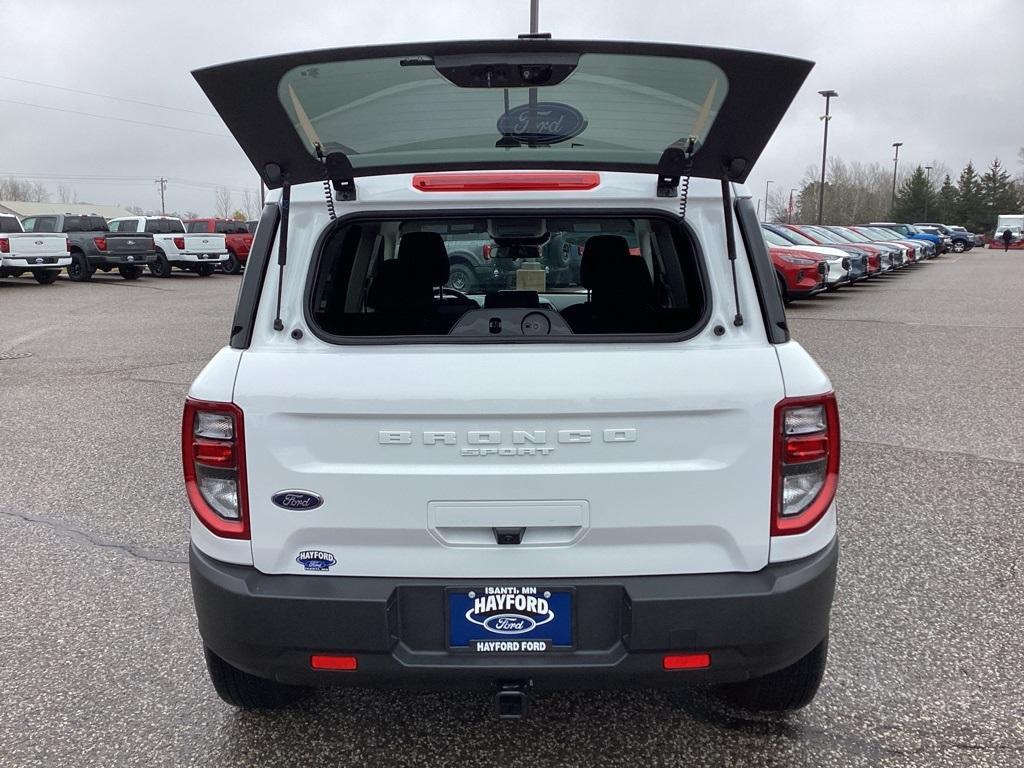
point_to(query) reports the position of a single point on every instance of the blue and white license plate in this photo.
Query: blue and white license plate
(521, 619)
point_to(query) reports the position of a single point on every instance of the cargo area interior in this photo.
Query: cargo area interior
(532, 277)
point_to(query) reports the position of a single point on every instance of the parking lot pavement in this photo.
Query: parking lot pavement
(100, 662)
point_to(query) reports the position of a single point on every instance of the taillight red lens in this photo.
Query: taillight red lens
(213, 457)
(5, 245)
(67, 245)
(806, 462)
(333, 663)
(101, 243)
(686, 661)
(487, 253)
(179, 243)
(529, 181)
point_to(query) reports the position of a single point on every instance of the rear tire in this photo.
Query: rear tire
(790, 688)
(130, 273)
(160, 267)
(204, 270)
(78, 269)
(232, 266)
(461, 278)
(245, 691)
(959, 246)
(45, 276)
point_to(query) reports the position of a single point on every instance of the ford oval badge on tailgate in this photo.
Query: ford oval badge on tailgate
(297, 499)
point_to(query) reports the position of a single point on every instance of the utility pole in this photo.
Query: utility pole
(770, 181)
(163, 187)
(791, 210)
(895, 165)
(927, 191)
(829, 95)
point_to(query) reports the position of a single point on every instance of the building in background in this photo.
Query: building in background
(21, 210)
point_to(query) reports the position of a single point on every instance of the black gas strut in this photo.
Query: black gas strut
(282, 248)
(730, 243)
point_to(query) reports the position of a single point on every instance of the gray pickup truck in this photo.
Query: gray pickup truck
(93, 246)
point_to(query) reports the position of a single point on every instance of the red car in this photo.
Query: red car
(237, 235)
(822, 236)
(801, 274)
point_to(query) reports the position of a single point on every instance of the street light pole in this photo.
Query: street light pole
(790, 211)
(895, 165)
(770, 181)
(829, 95)
(927, 191)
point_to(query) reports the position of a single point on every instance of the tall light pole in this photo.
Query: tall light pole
(829, 95)
(790, 211)
(770, 181)
(927, 191)
(895, 165)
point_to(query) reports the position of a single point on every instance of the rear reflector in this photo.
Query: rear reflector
(540, 181)
(687, 661)
(334, 663)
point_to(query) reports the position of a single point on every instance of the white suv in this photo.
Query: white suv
(627, 479)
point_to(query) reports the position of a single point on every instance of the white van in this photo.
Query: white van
(625, 478)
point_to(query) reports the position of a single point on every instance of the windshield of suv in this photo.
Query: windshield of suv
(775, 239)
(827, 235)
(848, 235)
(593, 107)
(794, 237)
(509, 277)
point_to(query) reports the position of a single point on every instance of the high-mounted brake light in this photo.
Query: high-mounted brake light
(806, 462)
(179, 243)
(531, 181)
(5, 245)
(101, 243)
(213, 456)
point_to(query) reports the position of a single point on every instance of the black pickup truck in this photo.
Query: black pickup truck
(93, 246)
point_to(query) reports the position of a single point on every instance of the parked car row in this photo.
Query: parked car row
(86, 243)
(812, 258)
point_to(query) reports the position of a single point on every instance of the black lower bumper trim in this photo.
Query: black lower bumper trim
(750, 623)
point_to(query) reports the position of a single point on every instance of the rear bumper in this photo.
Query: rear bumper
(122, 260)
(199, 258)
(49, 262)
(750, 624)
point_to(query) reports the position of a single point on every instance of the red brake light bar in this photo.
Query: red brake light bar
(530, 181)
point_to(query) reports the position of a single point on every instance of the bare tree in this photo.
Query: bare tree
(66, 194)
(26, 191)
(250, 204)
(135, 210)
(224, 203)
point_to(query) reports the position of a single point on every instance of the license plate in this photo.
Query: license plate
(518, 619)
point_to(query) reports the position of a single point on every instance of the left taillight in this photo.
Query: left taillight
(213, 456)
(5, 245)
(179, 243)
(101, 243)
(806, 462)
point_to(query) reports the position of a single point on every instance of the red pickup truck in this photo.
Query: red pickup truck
(237, 235)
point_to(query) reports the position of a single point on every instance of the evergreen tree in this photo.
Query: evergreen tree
(999, 193)
(945, 204)
(970, 205)
(914, 197)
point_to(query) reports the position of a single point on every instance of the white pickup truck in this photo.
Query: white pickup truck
(198, 253)
(44, 255)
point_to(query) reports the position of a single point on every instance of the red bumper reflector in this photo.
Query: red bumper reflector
(687, 661)
(541, 181)
(334, 663)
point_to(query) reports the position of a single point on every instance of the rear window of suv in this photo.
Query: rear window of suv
(509, 279)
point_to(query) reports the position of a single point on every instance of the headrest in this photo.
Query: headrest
(425, 258)
(506, 299)
(389, 289)
(603, 256)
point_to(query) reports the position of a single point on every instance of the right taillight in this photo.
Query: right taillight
(487, 252)
(806, 462)
(213, 454)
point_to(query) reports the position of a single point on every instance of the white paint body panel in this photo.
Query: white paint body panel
(689, 494)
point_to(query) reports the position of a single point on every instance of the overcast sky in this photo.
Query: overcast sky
(946, 77)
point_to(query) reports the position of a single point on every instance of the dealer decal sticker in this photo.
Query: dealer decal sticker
(316, 560)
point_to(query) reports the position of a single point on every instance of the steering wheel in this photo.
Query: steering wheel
(459, 295)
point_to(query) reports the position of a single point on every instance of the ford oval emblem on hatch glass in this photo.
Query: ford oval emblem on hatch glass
(297, 500)
(548, 122)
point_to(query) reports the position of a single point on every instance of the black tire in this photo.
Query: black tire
(790, 688)
(204, 270)
(130, 273)
(461, 278)
(160, 266)
(46, 276)
(232, 266)
(78, 269)
(782, 289)
(245, 691)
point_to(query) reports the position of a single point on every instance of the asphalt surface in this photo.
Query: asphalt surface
(101, 664)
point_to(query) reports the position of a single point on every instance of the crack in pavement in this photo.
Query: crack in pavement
(88, 537)
(962, 454)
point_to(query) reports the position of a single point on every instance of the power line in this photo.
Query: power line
(108, 96)
(118, 119)
(122, 180)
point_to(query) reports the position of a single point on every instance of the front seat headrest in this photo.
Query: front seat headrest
(603, 257)
(425, 258)
(390, 288)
